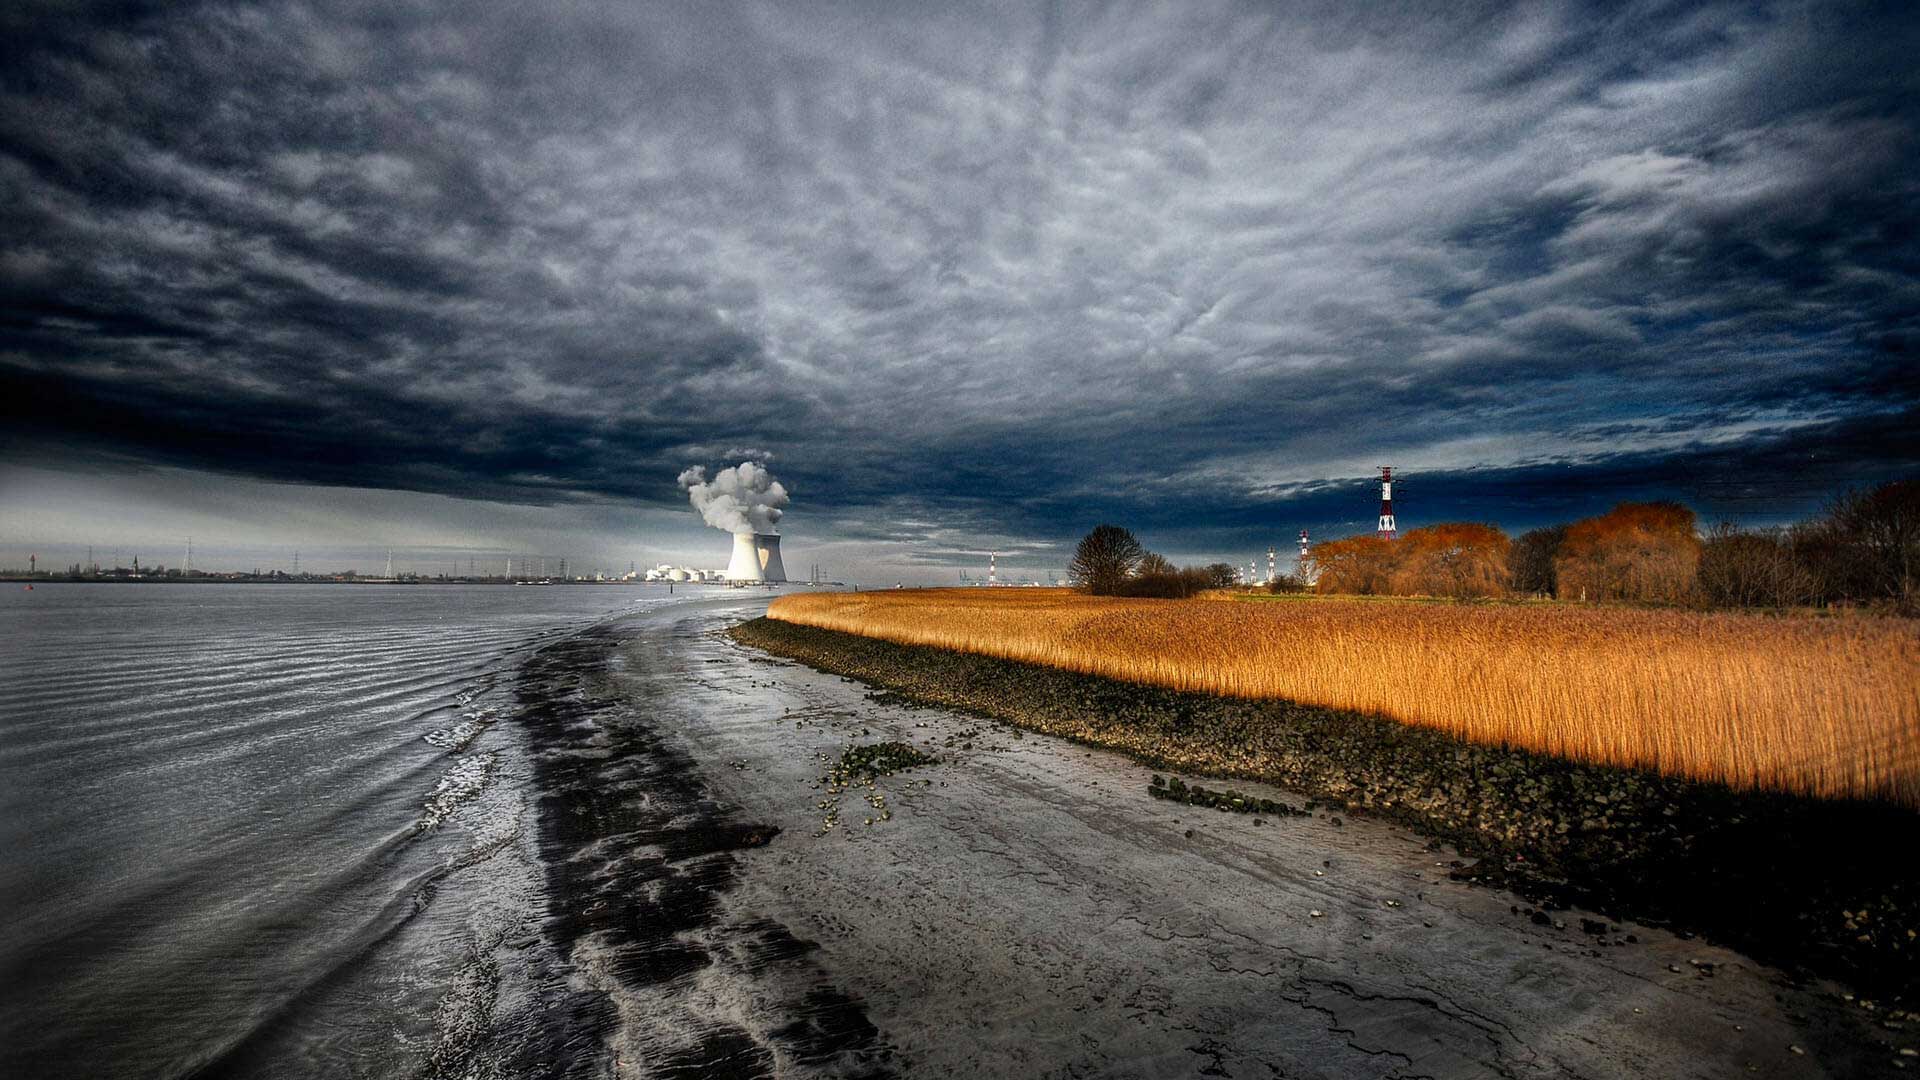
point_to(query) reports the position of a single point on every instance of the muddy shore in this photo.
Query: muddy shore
(641, 859)
(756, 868)
(1816, 888)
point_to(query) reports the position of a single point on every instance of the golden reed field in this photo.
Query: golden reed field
(1827, 706)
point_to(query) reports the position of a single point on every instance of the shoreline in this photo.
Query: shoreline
(640, 859)
(1814, 887)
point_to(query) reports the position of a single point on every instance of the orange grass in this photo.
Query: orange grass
(1825, 706)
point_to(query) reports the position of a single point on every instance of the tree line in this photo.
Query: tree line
(1111, 561)
(1863, 549)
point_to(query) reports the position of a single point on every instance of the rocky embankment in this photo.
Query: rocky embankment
(1828, 888)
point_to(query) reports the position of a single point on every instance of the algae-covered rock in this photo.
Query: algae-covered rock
(880, 759)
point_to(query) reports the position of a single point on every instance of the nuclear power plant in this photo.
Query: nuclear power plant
(746, 501)
(756, 557)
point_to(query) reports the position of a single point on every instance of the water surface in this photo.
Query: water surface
(276, 824)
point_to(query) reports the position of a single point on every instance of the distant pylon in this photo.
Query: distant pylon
(1387, 529)
(389, 563)
(993, 569)
(1273, 567)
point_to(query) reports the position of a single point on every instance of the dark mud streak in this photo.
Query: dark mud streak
(1772, 875)
(637, 855)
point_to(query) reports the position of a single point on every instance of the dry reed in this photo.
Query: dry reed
(1824, 706)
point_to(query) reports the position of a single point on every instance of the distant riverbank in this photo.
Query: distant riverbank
(1820, 886)
(285, 579)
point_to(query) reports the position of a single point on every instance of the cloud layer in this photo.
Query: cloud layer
(971, 272)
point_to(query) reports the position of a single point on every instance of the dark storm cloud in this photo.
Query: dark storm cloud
(970, 272)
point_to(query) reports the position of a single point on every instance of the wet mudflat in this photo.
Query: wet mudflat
(1021, 907)
(639, 857)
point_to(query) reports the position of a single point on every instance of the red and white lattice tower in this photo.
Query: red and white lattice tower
(1387, 530)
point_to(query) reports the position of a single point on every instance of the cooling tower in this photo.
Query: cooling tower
(767, 547)
(745, 564)
(756, 557)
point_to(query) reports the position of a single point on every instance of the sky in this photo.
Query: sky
(471, 279)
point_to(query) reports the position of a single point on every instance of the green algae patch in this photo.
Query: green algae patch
(862, 767)
(875, 760)
(1236, 802)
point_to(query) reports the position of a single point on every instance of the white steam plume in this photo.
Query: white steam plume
(742, 499)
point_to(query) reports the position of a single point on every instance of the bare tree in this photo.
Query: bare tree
(1739, 568)
(1531, 560)
(1882, 527)
(1154, 563)
(1460, 559)
(1643, 552)
(1221, 575)
(1286, 583)
(1105, 559)
(1361, 565)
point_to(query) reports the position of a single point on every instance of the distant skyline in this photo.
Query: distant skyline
(482, 276)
